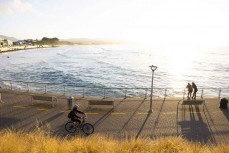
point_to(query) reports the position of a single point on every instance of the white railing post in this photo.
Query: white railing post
(11, 86)
(27, 86)
(202, 94)
(145, 93)
(45, 89)
(219, 92)
(64, 90)
(83, 92)
(104, 93)
(183, 94)
(165, 93)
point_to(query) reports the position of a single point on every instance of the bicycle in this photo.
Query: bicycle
(87, 128)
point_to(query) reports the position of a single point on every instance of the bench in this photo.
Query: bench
(192, 102)
(44, 98)
(101, 102)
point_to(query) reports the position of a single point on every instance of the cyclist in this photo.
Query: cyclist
(73, 114)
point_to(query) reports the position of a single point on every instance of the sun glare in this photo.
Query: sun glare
(180, 24)
(179, 61)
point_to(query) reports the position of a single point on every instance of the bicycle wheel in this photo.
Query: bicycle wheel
(88, 128)
(70, 127)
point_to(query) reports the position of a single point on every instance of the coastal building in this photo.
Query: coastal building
(35, 41)
(1, 42)
(29, 41)
(20, 42)
(25, 42)
(7, 42)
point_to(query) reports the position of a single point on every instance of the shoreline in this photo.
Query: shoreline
(26, 47)
(18, 48)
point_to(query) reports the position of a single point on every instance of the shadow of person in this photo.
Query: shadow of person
(193, 126)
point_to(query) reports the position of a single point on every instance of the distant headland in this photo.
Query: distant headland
(8, 44)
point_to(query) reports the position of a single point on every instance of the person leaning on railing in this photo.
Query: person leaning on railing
(195, 90)
(189, 90)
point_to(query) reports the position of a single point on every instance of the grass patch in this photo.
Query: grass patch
(41, 142)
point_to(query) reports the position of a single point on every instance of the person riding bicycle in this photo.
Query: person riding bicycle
(73, 114)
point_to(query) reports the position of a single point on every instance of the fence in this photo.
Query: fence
(83, 91)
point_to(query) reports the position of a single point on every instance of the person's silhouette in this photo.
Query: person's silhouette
(195, 90)
(73, 114)
(189, 90)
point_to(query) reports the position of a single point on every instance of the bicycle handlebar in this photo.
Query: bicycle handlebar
(85, 116)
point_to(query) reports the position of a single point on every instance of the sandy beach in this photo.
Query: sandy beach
(15, 48)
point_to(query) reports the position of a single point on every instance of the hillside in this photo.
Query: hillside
(53, 41)
(87, 41)
(9, 38)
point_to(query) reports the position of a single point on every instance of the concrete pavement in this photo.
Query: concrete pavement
(129, 118)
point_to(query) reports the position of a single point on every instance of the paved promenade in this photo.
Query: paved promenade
(204, 123)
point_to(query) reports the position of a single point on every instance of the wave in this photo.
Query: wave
(109, 66)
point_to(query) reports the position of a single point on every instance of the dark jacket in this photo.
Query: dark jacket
(189, 87)
(73, 114)
(194, 87)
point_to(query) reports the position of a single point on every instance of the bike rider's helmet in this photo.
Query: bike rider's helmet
(75, 107)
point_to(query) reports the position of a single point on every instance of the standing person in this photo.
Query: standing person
(195, 90)
(189, 90)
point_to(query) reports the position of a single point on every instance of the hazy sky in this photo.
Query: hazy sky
(170, 22)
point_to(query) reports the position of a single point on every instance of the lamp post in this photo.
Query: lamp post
(153, 68)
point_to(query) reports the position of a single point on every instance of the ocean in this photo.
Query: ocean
(117, 66)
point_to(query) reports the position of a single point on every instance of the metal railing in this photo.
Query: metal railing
(83, 91)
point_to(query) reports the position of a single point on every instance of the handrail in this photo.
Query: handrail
(107, 92)
(101, 87)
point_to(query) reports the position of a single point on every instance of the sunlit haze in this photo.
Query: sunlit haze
(167, 24)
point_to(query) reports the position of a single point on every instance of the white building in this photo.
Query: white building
(1, 42)
(7, 42)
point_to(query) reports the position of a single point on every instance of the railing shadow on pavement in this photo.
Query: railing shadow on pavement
(226, 113)
(155, 123)
(7, 122)
(59, 131)
(8, 110)
(34, 120)
(210, 121)
(18, 108)
(126, 123)
(158, 117)
(108, 113)
(143, 125)
(53, 117)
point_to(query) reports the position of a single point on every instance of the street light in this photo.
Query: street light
(153, 68)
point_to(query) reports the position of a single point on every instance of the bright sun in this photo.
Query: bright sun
(180, 26)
